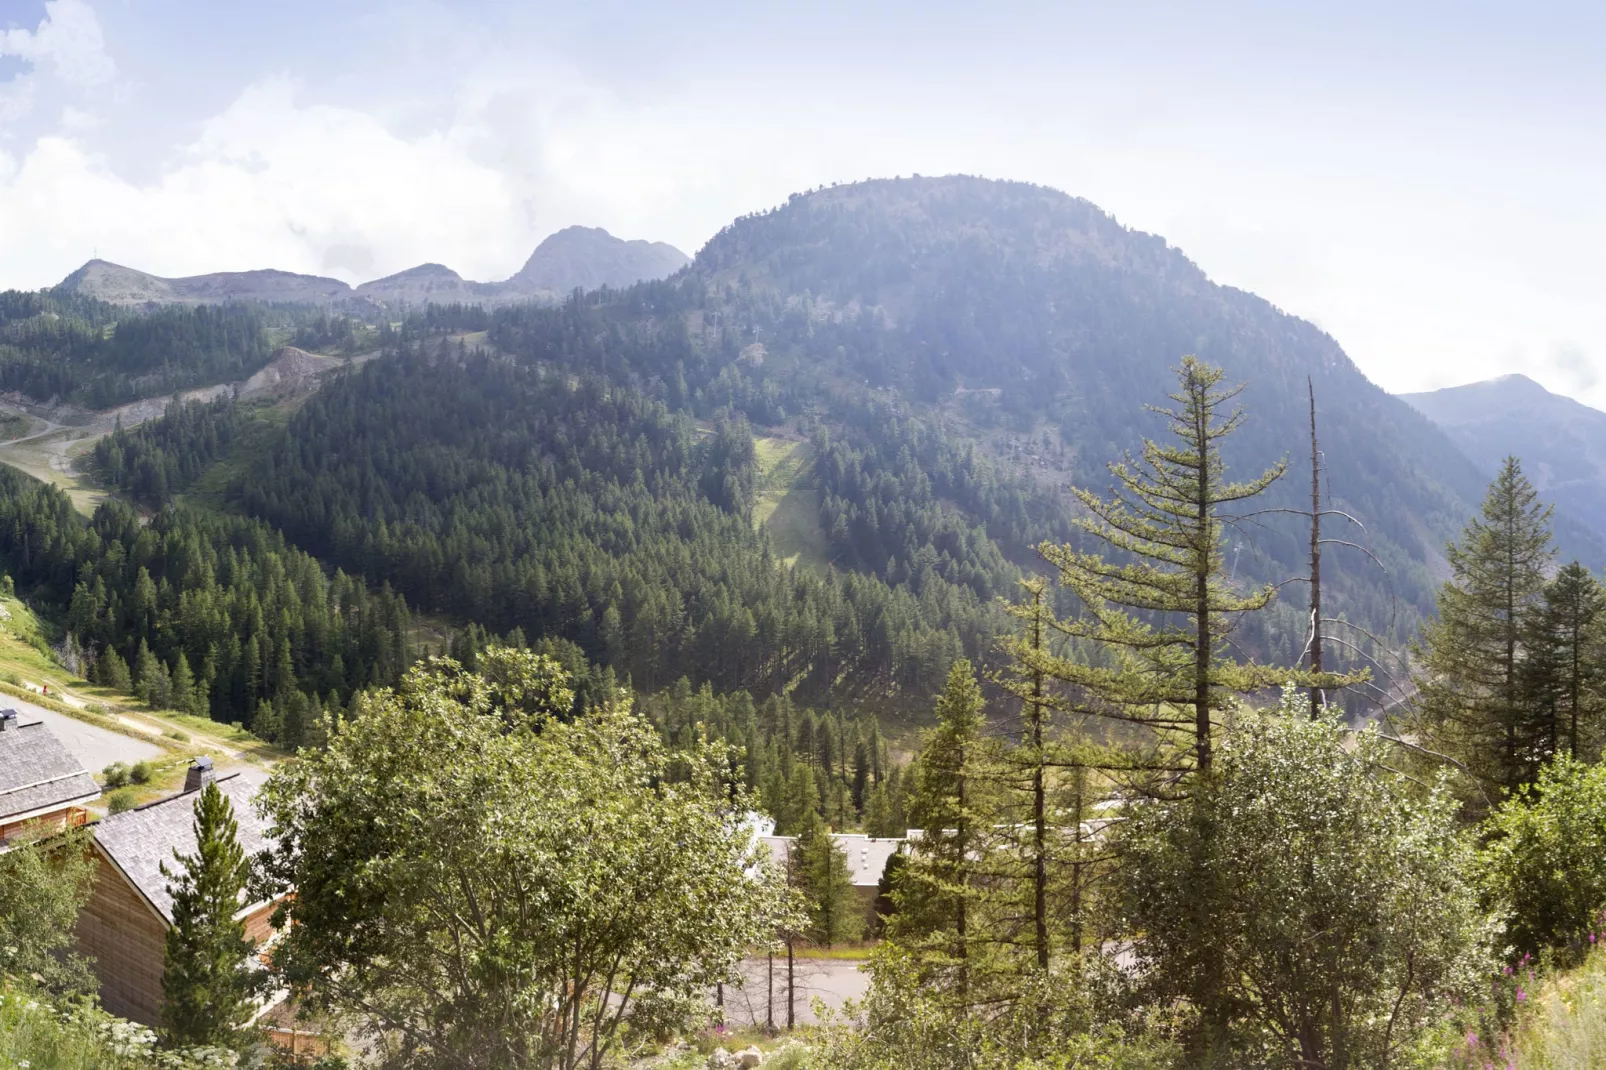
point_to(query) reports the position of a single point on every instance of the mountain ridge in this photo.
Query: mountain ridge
(574, 257)
(1561, 441)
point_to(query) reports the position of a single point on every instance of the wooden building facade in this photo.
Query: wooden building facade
(124, 925)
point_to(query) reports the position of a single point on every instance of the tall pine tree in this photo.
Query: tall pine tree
(1472, 701)
(943, 894)
(819, 870)
(1563, 665)
(1160, 606)
(208, 985)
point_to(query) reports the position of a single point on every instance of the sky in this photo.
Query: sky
(1424, 180)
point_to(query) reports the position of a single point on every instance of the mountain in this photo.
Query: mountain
(814, 462)
(590, 258)
(1562, 443)
(120, 285)
(575, 257)
(434, 284)
(924, 364)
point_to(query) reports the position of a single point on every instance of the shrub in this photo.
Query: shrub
(115, 775)
(75, 1035)
(1313, 906)
(1545, 865)
(176, 734)
(121, 800)
(141, 773)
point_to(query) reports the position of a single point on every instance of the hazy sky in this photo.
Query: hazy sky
(1425, 184)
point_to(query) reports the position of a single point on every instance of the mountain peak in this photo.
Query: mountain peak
(590, 258)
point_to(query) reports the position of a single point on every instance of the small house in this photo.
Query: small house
(43, 788)
(124, 925)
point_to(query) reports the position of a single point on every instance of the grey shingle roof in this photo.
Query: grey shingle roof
(38, 773)
(140, 841)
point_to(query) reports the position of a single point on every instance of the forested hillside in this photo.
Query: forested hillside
(948, 355)
(73, 348)
(1030, 328)
(203, 614)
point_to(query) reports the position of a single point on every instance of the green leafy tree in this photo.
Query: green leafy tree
(1343, 919)
(1545, 863)
(43, 885)
(481, 884)
(209, 986)
(1472, 703)
(819, 870)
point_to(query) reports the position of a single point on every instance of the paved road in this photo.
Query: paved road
(95, 747)
(832, 980)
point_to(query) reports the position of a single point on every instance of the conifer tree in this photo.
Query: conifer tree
(1045, 796)
(207, 983)
(878, 814)
(1160, 605)
(819, 869)
(941, 896)
(1471, 700)
(112, 671)
(146, 668)
(183, 686)
(1562, 665)
(802, 798)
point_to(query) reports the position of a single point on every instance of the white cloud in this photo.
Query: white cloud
(269, 182)
(1426, 275)
(65, 50)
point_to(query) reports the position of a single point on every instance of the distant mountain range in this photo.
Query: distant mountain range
(1562, 442)
(584, 257)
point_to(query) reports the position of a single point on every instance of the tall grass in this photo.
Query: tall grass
(1563, 1025)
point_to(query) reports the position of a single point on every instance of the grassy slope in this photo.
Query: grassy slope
(25, 669)
(788, 506)
(1564, 1025)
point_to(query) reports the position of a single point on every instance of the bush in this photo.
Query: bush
(75, 1035)
(141, 773)
(121, 800)
(176, 734)
(1545, 865)
(1311, 904)
(115, 775)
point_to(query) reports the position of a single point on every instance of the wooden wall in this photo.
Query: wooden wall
(127, 940)
(66, 817)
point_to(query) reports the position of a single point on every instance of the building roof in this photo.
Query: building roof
(867, 855)
(140, 841)
(37, 774)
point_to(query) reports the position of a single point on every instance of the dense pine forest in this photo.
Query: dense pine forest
(200, 613)
(73, 348)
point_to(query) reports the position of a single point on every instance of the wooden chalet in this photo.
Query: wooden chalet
(124, 925)
(43, 788)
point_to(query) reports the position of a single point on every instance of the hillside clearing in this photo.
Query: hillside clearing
(787, 504)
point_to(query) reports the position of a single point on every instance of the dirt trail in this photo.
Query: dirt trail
(50, 453)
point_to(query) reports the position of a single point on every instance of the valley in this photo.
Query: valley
(862, 522)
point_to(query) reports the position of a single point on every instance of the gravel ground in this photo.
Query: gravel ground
(832, 980)
(95, 747)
